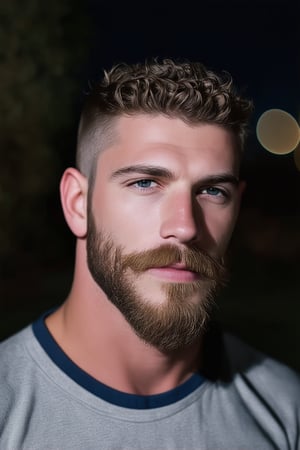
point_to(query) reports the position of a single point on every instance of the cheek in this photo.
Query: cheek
(132, 222)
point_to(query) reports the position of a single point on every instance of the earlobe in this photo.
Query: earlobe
(73, 194)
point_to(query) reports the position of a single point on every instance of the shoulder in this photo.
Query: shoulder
(256, 374)
(12, 348)
(14, 363)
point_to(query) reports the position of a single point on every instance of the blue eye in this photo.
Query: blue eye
(214, 191)
(215, 194)
(145, 184)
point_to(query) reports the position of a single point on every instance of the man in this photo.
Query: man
(131, 360)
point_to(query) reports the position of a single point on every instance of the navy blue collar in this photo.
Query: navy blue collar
(101, 390)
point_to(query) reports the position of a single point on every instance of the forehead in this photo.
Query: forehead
(157, 139)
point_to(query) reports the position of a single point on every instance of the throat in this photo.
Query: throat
(113, 354)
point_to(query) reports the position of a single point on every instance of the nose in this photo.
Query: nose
(178, 218)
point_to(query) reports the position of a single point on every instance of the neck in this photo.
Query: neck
(95, 335)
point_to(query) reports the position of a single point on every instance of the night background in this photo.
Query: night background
(50, 51)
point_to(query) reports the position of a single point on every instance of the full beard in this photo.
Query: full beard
(177, 322)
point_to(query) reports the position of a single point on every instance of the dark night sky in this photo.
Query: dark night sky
(258, 42)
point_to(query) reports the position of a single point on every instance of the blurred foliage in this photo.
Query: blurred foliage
(42, 51)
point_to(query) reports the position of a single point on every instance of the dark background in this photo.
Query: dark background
(49, 52)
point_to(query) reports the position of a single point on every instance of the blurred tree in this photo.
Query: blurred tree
(42, 51)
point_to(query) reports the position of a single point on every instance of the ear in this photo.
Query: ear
(73, 194)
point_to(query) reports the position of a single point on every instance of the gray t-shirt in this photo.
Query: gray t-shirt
(242, 400)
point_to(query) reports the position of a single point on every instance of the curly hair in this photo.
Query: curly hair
(186, 90)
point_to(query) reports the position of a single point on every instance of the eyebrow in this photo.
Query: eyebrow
(157, 171)
(154, 171)
(220, 178)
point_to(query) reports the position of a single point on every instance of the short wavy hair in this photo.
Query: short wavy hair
(186, 90)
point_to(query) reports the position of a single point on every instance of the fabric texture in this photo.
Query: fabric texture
(242, 400)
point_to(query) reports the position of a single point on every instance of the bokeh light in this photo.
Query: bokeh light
(278, 131)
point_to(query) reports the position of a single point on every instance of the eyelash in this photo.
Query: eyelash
(221, 192)
(143, 188)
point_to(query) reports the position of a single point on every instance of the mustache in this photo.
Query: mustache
(193, 258)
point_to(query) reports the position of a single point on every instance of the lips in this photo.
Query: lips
(175, 272)
(174, 264)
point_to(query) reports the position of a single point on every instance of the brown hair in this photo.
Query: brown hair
(177, 89)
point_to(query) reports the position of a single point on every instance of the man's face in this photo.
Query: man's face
(162, 211)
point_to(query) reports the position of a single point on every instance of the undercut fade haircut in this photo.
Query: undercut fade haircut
(185, 90)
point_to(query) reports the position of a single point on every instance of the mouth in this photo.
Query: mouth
(177, 273)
